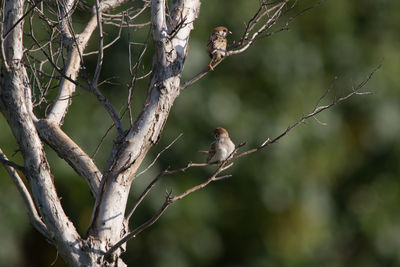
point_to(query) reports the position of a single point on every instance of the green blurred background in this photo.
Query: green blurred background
(324, 195)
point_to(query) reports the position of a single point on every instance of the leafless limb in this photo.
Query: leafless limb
(144, 193)
(273, 14)
(107, 45)
(317, 109)
(101, 48)
(94, 84)
(133, 70)
(130, 13)
(159, 154)
(21, 18)
(54, 64)
(198, 76)
(12, 164)
(26, 196)
(68, 150)
(102, 140)
(109, 108)
(171, 199)
(250, 25)
(150, 186)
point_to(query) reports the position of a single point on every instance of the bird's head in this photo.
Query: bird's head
(222, 31)
(220, 132)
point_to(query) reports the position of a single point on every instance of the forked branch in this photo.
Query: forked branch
(317, 109)
(171, 199)
(26, 196)
(259, 26)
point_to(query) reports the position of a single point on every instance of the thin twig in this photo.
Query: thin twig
(21, 18)
(169, 199)
(106, 46)
(159, 154)
(314, 112)
(144, 193)
(244, 42)
(12, 164)
(101, 48)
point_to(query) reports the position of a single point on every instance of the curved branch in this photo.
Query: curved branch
(273, 14)
(16, 108)
(74, 60)
(169, 199)
(68, 150)
(128, 154)
(317, 109)
(26, 196)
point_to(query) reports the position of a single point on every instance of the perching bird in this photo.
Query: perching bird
(221, 148)
(216, 45)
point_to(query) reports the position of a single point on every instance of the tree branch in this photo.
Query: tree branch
(128, 155)
(100, 49)
(6, 162)
(244, 43)
(169, 199)
(26, 196)
(16, 107)
(272, 19)
(317, 109)
(21, 18)
(68, 150)
(74, 60)
(159, 154)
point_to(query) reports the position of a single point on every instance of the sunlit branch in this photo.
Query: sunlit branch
(171, 199)
(317, 109)
(26, 196)
(274, 14)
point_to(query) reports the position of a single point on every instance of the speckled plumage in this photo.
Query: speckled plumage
(216, 45)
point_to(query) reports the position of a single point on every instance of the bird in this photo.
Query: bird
(216, 45)
(221, 148)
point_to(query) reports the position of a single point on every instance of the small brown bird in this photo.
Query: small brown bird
(221, 148)
(216, 45)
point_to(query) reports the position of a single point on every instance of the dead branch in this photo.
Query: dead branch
(317, 109)
(26, 196)
(159, 154)
(273, 14)
(169, 199)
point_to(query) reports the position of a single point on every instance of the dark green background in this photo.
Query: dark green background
(324, 195)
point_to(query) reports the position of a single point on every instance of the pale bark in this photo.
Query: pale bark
(17, 108)
(108, 219)
(108, 230)
(109, 225)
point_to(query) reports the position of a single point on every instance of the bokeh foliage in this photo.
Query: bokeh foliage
(325, 195)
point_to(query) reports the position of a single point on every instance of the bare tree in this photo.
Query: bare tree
(31, 67)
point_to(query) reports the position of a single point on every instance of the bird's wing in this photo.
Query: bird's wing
(210, 46)
(211, 152)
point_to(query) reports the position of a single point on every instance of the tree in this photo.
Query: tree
(59, 61)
